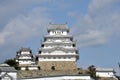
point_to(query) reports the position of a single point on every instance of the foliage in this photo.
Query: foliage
(13, 63)
(92, 71)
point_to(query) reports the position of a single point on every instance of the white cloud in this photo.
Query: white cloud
(26, 27)
(23, 28)
(99, 24)
(11, 9)
(91, 38)
(98, 6)
(22, 21)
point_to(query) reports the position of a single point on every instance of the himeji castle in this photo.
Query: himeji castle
(58, 50)
(56, 59)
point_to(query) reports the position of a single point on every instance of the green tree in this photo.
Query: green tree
(13, 63)
(92, 71)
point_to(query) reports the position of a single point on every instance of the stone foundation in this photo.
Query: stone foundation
(57, 65)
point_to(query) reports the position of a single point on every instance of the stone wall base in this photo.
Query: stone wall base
(57, 65)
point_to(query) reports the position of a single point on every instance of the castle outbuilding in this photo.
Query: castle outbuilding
(24, 57)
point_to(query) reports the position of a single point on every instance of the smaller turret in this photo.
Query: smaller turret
(24, 57)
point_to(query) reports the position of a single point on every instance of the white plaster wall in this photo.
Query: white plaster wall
(104, 74)
(30, 68)
(23, 68)
(24, 62)
(48, 47)
(33, 68)
(23, 52)
(25, 57)
(59, 46)
(65, 33)
(58, 40)
(13, 75)
(63, 78)
(2, 73)
(57, 59)
(57, 53)
(51, 33)
(55, 33)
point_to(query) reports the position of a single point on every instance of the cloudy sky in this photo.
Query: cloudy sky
(95, 25)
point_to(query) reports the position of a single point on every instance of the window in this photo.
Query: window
(53, 68)
(42, 45)
(39, 68)
(39, 52)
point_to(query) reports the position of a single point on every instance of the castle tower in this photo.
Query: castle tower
(24, 57)
(58, 50)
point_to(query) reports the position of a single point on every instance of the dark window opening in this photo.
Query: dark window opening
(53, 67)
(27, 68)
(73, 45)
(42, 45)
(36, 59)
(39, 52)
(39, 68)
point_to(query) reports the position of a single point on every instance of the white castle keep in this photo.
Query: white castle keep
(58, 50)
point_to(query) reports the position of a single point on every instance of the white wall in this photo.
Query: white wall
(24, 52)
(12, 74)
(25, 57)
(23, 68)
(33, 68)
(51, 46)
(30, 68)
(25, 62)
(58, 53)
(56, 32)
(63, 78)
(104, 74)
(57, 59)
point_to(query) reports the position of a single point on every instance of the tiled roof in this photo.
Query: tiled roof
(3, 65)
(58, 43)
(104, 69)
(25, 49)
(59, 48)
(7, 69)
(58, 36)
(57, 27)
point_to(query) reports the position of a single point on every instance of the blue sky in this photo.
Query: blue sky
(93, 23)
